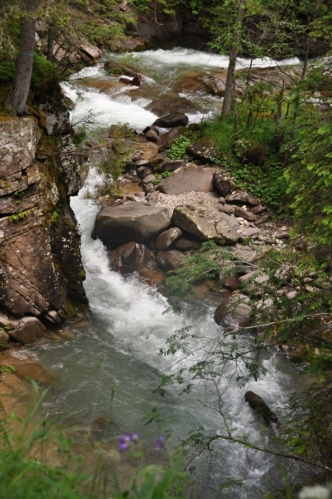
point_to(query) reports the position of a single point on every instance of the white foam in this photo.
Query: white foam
(100, 110)
(197, 59)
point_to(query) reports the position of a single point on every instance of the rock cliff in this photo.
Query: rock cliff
(40, 264)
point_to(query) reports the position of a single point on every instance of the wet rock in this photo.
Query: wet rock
(28, 330)
(131, 257)
(223, 182)
(188, 178)
(152, 135)
(203, 150)
(259, 405)
(187, 242)
(172, 120)
(136, 81)
(215, 85)
(170, 260)
(165, 239)
(114, 67)
(152, 277)
(118, 225)
(206, 222)
(27, 368)
(233, 312)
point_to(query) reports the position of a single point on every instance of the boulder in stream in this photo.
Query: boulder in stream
(233, 312)
(131, 257)
(260, 406)
(172, 120)
(139, 222)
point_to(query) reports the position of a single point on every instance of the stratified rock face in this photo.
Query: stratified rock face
(206, 222)
(117, 225)
(187, 179)
(39, 243)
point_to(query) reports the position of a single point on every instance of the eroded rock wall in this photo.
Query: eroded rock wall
(40, 263)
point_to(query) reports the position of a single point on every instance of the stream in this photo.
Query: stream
(113, 362)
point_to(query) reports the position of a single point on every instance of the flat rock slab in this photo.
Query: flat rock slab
(188, 178)
(121, 224)
(207, 222)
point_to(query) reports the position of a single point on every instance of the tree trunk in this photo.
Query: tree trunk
(20, 90)
(229, 87)
(50, 42)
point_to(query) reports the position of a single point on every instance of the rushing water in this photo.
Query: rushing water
(117, 350)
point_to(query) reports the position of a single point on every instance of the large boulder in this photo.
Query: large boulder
(131, 257)
(188, 178)
(204, 150)
(233, 312)
(139, 222)
(206, 222)
(172, 120)
(223, 182)
(167, 238)
(260, 406)
(170, 260)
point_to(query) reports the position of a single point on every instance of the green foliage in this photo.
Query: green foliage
(44, 74)
(80, 135)
(114, 160)
(309, 177)
(202, 266)
(178, 148)
(21, 215)
(55, 215)
(24, 476)
(308, 429)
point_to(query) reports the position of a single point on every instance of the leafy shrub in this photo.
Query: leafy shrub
(44, 74)
(178, 148)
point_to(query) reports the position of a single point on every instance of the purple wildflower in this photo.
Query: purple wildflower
(124, 441)
(127, 439)
(160, 442)
(134, 437)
